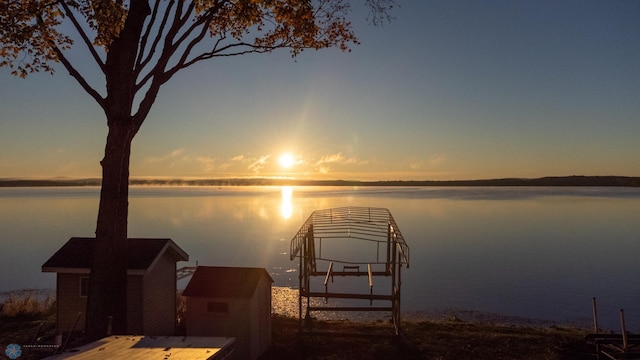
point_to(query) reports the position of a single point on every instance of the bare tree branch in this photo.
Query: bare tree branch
(157, 38)
(221, 52)
(190, 46)
(76, 75)
(179, 21)
(71, 69)
(83, 35)
(170, 47)
(146, 33)
(379, 11)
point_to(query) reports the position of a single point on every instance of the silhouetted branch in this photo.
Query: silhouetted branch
(70, 68)
(83, 35)
(379, 11)
(145, 36)
(76, 75)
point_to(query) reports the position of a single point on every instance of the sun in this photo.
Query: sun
(286, 160)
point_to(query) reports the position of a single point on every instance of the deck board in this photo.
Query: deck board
(156, 347)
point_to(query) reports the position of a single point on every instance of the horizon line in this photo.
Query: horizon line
(571, 180)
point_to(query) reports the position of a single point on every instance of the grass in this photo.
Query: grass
(26, 318)
(26, 303)
(426, 340)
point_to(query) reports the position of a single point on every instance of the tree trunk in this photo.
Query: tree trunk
(108, 283)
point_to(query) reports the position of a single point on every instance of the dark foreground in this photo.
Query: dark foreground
(353, 340)
(426, 340)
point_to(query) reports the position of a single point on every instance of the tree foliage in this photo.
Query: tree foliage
(35, 34)
(137, 46)
(32, 34)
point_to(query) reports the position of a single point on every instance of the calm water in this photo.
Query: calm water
(525, 252)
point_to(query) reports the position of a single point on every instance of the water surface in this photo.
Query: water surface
(530, 252)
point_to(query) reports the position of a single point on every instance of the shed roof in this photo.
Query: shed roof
(76, 255)
(225, 282)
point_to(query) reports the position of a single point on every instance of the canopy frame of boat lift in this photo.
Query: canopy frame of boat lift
(345, 225)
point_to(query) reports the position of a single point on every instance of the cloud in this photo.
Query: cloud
(324, 170)
(207, 162)
(233, 162)
(335, 159)
(178, 159)
(323, 165)
(258, 165)
(437, 159)
(433, 161)
(171, 156)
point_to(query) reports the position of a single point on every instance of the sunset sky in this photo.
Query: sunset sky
(447, 90)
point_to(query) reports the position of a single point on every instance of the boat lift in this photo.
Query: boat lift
(376, 249)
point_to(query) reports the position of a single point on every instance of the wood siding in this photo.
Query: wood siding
(135, 304)
(151, 284)
(160, 298)
(151, 301)
(264, 314)
(69, 302)
(236, 323)
(248, 320)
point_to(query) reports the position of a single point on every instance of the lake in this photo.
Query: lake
(532, 252)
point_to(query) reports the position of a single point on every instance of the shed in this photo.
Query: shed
(234, 302)
(151, 284)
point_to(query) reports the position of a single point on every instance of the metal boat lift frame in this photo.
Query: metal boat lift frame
(374, 226)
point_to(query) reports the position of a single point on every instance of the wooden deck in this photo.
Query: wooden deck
(152, 347)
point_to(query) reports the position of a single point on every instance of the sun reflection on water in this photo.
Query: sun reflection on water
(286, 208)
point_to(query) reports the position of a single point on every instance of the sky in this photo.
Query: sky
(448, 90)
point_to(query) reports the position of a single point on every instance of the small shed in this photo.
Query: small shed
(234, 302)
(151, 284)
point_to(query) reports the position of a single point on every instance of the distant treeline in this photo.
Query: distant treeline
(624, 181)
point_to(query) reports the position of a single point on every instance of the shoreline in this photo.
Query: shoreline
(444, 338)
(562, 181)
(370, 340)
(285, 304)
